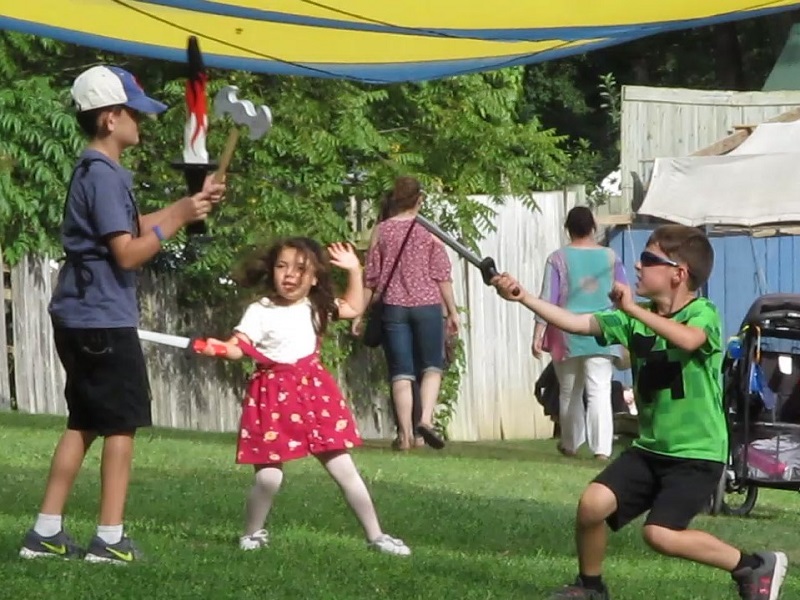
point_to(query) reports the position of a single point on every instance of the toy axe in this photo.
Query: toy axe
(486, 265)
(243, 112)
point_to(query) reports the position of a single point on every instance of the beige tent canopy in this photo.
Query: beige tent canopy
(756, 183)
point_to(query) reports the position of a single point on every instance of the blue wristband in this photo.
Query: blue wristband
(159, 234)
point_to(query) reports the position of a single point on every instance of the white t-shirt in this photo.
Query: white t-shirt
(284, 334)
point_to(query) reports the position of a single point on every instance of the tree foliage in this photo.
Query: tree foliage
(332, 140)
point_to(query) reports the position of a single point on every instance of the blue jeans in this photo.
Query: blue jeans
(413, 340)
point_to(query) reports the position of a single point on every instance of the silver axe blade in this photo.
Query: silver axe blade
(486, 265)
(258, 119)
(243, 112)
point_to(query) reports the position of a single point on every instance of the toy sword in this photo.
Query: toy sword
(190, 345)
(486, 265)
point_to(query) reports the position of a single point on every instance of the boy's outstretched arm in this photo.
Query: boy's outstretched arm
(559, 317)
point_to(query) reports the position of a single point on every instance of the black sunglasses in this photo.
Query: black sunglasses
(649, 259)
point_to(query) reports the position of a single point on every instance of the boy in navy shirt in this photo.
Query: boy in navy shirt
(95, 313)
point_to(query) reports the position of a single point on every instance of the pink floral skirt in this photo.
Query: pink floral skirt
(291, 411)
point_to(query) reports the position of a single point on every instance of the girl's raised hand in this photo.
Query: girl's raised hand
(344, 256)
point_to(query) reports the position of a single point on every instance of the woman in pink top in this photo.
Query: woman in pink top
(413, 319)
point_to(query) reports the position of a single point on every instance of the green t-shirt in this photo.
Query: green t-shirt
(678, 393)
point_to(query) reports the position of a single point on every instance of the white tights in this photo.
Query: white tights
(341, 468)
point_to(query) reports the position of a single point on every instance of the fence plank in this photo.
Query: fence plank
(496, 399)
(38, 375)
(5, 382)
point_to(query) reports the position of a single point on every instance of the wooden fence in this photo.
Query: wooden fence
(6, 392)
(496, 397)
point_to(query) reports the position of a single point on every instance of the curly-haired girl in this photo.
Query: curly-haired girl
(293, 406)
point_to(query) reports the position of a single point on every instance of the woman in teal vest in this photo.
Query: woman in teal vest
(579, 277)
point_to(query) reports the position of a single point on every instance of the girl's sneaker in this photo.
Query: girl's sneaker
(254, 541)
(389, 545)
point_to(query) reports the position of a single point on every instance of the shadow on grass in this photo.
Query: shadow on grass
(513, 450)
(56, 424)
(471, 543)
(206, 506)
(517, 450)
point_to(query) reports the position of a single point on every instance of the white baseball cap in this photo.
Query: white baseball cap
(101, 86)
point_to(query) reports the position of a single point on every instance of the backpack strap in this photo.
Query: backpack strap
(84, 276)
(397, 260)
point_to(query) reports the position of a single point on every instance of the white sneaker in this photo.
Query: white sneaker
(389, 545)
(254, 541)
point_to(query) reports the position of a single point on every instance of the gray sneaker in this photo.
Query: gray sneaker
(122, 553)
(60, 545)
(765, 581)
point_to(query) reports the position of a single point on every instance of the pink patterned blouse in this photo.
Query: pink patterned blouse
(423, 265)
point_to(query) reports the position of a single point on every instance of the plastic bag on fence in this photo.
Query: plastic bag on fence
(777, 458)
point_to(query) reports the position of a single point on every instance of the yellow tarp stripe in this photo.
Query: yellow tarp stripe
(504, 14)
(169, 27)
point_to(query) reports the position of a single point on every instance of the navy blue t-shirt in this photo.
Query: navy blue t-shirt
(100, 294)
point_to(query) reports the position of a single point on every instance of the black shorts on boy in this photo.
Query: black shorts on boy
(674, 490)
(107, 389)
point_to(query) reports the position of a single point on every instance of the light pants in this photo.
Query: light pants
(595, 423)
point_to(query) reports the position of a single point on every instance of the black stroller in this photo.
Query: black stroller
(761, 375)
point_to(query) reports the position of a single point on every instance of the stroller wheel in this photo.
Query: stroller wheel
(733, 498)
(740, 502)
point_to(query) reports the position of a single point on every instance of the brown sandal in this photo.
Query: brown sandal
(430, 436)
(400, 446)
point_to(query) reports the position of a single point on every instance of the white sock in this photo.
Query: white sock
(110, 534)
(47, 525)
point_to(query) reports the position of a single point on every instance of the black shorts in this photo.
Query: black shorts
(107, 389)
(674, 490)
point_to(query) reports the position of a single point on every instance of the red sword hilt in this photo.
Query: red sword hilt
(198, 345)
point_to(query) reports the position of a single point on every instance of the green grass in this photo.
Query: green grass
(485, 521)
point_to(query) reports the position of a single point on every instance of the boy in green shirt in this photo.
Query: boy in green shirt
(674, 466)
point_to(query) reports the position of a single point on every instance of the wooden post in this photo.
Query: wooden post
(5, 382)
